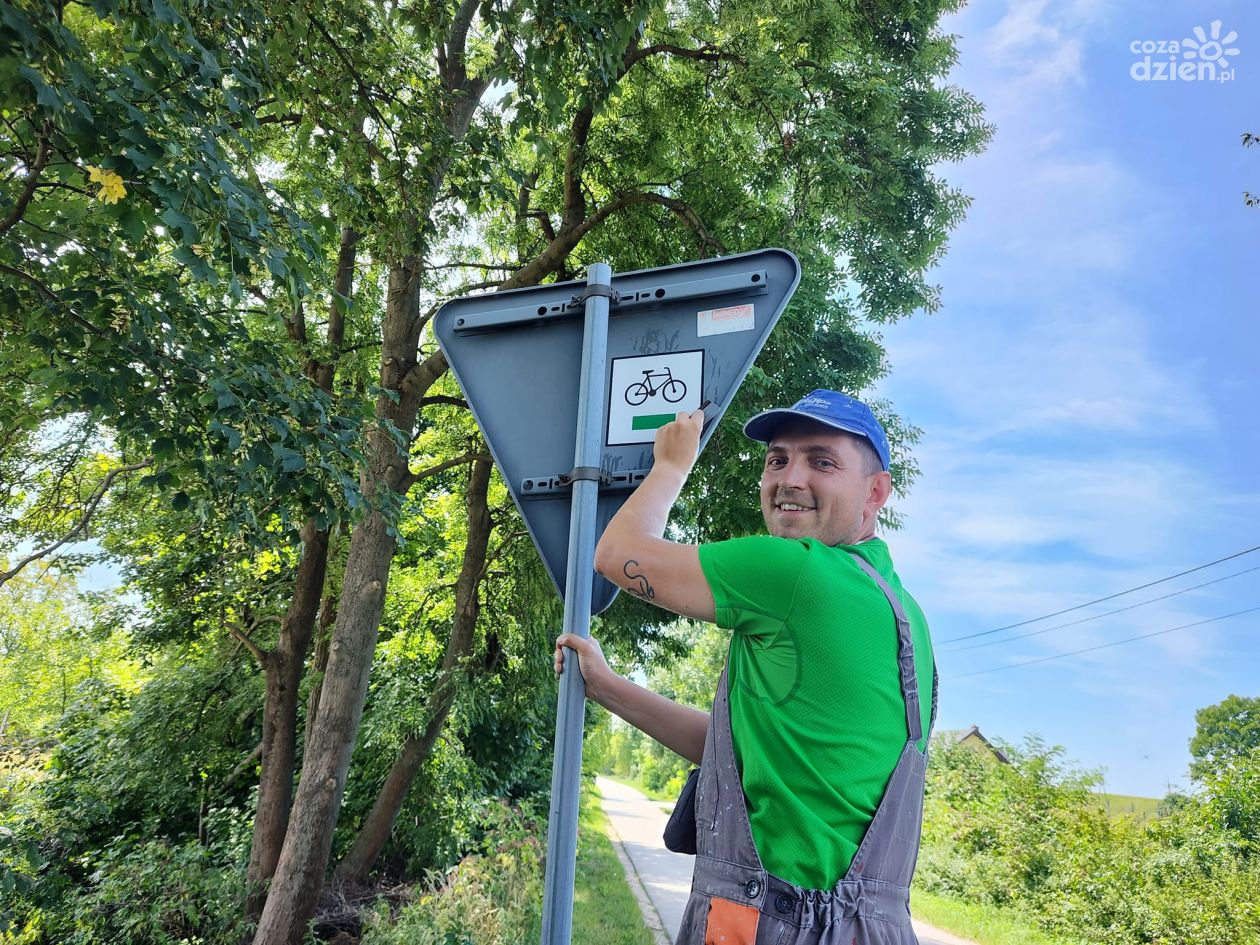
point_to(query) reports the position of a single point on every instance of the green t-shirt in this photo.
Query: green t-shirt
(816, 707)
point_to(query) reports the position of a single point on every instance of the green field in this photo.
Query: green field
(1126, 805)
(983, 924)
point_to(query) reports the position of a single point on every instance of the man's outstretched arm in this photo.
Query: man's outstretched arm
(679, 728)
(632, 552)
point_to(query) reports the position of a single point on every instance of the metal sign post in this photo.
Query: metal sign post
(591, 372)
(566, 769)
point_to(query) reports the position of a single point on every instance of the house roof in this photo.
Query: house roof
(957, 736)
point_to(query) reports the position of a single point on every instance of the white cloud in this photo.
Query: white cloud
(1063, 365)
(1035, 44)
(1020, 28)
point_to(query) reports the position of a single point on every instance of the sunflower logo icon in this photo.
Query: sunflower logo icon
(1216, 49)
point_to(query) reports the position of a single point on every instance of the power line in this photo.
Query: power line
(1091, 603)
(1110, 613)
(1103, 646)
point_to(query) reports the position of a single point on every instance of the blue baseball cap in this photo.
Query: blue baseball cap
(830, 408)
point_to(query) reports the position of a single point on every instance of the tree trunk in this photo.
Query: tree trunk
(299, 873)
(376, 829)
(283, 671)
(283, 666)
(319, 663)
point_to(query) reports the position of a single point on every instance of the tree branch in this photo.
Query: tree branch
(244, 765)
(544, 223)
(706, 53)
(687, 214)
(443, 399)
(508, 267)
(413, 477)
(343, 284)
(368, 98)
(258, 652)
(51, 296)
(423, 375)
(32, 178)
(452, 60)
(522, 196)
(476, 286)
(553, 257)
(296, 324)
(93, 501)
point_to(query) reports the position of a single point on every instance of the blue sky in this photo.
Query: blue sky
(1088, 389)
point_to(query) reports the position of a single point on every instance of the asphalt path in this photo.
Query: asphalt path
(661, 880)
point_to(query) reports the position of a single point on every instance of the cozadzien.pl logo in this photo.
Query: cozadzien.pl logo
(1204, 57)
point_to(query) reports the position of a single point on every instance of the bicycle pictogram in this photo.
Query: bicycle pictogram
(670, 387)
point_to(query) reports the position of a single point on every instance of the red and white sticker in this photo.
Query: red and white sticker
(720, 321)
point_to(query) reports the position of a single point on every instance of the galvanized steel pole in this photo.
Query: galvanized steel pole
(566, 770)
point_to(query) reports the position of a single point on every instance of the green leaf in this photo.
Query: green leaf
(177, 221)
(290, 460)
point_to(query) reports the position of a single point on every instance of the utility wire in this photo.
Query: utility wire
(1091, 603)
(1103, 646)
(1110, 613)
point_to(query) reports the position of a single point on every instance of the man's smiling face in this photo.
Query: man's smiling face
(816, 484)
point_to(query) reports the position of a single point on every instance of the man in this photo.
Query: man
(822, 715)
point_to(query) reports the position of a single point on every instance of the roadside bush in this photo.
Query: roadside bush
(155, 893)
(994, 832)
(58, 885)
(492, 897)
(1028, 836)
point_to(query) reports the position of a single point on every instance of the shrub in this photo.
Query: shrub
(155, 893)
(1027, 835)
(492, 897)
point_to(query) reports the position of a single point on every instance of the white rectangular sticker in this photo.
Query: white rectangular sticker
(719, 321)
(648, 391)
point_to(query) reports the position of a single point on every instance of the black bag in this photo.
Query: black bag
(680, 832)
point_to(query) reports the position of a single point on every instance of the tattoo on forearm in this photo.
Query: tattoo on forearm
(643, 588)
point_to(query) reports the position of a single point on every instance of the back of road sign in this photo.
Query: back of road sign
(677, 336)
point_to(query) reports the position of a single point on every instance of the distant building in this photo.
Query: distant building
(972, 738)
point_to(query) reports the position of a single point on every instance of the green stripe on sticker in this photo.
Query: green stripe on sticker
(651, 421)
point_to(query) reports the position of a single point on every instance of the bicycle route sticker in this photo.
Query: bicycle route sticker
(648, 391)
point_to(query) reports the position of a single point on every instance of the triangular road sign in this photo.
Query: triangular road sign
(678, 337)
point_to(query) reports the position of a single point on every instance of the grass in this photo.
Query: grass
(604, 908)
(980, 923)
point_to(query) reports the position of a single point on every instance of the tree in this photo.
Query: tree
(138, 303)
(1225, 733)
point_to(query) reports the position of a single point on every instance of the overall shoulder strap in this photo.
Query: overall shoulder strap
(905, 651)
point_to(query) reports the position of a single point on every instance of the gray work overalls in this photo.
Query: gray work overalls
(734, 901)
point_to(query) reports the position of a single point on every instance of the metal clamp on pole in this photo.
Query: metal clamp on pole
(597, 291)
(585, 473)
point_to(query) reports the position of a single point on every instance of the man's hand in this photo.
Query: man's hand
(595, 669)
(678, 442)
(678, 727)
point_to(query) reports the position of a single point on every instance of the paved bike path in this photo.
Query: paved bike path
(661, 880)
